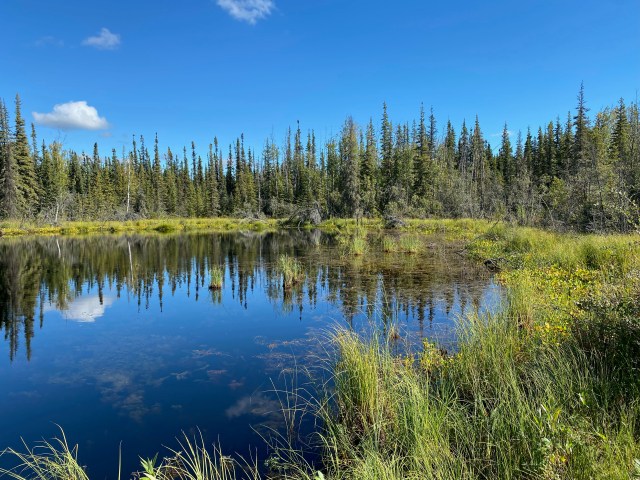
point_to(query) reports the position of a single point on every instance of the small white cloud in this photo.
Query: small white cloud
(105, 40)
(249, 11)
(72, 116)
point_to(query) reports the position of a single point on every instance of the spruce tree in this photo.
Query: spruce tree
(349, 158)
(156, 180)
(505, 160)
(26, 174)
(9, 194)
(580, 140)
(387, 173)
(369, 172)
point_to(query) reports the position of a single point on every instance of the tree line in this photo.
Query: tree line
(578, 172)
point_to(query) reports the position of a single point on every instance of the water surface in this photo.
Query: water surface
(119, 338)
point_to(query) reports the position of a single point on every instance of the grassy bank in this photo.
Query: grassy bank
(14, 228)
(451, 229)
(546, 388)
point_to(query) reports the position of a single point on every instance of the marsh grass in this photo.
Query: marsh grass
(501, 407)
(193, 461)
(163, 225)
(410, 244)
(217, 278)
(389, 244)
(359, 245)
(354, 242)
(545, 388)
(45, 461)
(291, 270)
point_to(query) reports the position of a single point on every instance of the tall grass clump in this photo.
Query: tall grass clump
(192, 461)
(217, 278)
(358, 245)
(46, 461)
(354, 242)
(502, 407)
(291, 271)
(389, 244)
(410, 244)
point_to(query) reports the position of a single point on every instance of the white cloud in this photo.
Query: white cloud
(249, 11)
(84, 309)
(105, 40)
(72, 116)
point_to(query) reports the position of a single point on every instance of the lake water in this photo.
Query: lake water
(119, 340)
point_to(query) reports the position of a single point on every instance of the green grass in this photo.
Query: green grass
(291, 271)
(451, 229)
(353, 242)
(166, 225)
(217, 277)
(192, 460)
(389, 244)
(502, 407)
(45, 461)
(410, 243)
(545, 388)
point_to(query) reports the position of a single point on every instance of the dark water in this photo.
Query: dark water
(119, 339)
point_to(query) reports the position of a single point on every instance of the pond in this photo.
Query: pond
(120, 341)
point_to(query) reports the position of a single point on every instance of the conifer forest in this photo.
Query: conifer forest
(579, 171)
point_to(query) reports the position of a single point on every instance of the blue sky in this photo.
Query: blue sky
(193, 69)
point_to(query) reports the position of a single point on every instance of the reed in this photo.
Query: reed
(217, 278)
(45, 461)
(193, 461)
(291, 271)
(410, 244)
(389, 244)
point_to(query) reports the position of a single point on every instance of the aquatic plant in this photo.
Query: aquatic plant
(495, 409)
(291, 270)
(358, 245)
(190, 461)
(167, 225)
(45, 461)
(389, 244)
(410, 244)
(193, 461)
(545, 388)
(217, 278)
(354, 242)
